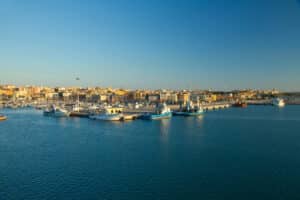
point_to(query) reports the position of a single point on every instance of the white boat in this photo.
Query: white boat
(76, 108)
(278, 102)
(93, 107)
(137, 105)
(56, 112)
(110, 114)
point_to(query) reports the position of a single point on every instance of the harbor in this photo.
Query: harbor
(128, 113)
(149, 100)
(123, 105)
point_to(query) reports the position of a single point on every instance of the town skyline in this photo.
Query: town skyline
(14, 86)
(140, 88)
(34, 94)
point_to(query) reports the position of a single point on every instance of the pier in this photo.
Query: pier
(206, 107)
(216, 106)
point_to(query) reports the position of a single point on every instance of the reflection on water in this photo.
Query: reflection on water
(62, 121)
(164, 127)
(193, 120)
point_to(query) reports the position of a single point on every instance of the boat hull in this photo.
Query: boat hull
(116, 117)
(128, 117)
(56, 114)
(188, 113)
(79, 114)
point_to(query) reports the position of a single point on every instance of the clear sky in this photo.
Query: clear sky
(218, 44)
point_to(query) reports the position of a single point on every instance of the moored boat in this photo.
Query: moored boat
(278, 102)
(56, 112)
(162, 112)
(110, 114)
(78, 111)
(189, 110)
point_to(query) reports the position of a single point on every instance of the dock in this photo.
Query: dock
(206, 107)
(216, 106)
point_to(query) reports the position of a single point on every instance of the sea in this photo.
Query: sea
(235, 153)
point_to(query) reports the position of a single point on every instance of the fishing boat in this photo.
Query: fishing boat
(162, 112)
(2, 118)
(78, 111)
(109, 114)
(189, 110)
(278, 102)
(240, 104)
(55, 111)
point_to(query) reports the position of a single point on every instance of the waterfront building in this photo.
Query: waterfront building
(209, 97)
(153, 98)
(103, 98)
(173, 98)
(183, 97)
(244, 94)
(164, 96)
(66, 96)
(6, 92)
(195, 97)
(95, 98)
(113, 98)
(52, 96)
(139, 95)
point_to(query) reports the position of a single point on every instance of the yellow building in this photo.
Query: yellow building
(213, 97)
(120, 92)
(6, 92)
(183, 97)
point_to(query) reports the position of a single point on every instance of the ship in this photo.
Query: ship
(55, 111)
(162, 112)
(278, 102)
(189, 110)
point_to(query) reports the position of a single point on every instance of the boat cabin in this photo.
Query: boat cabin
(113, 110)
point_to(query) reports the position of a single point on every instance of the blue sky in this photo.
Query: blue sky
(218, 44)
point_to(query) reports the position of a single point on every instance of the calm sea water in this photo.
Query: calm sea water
(251, 153)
